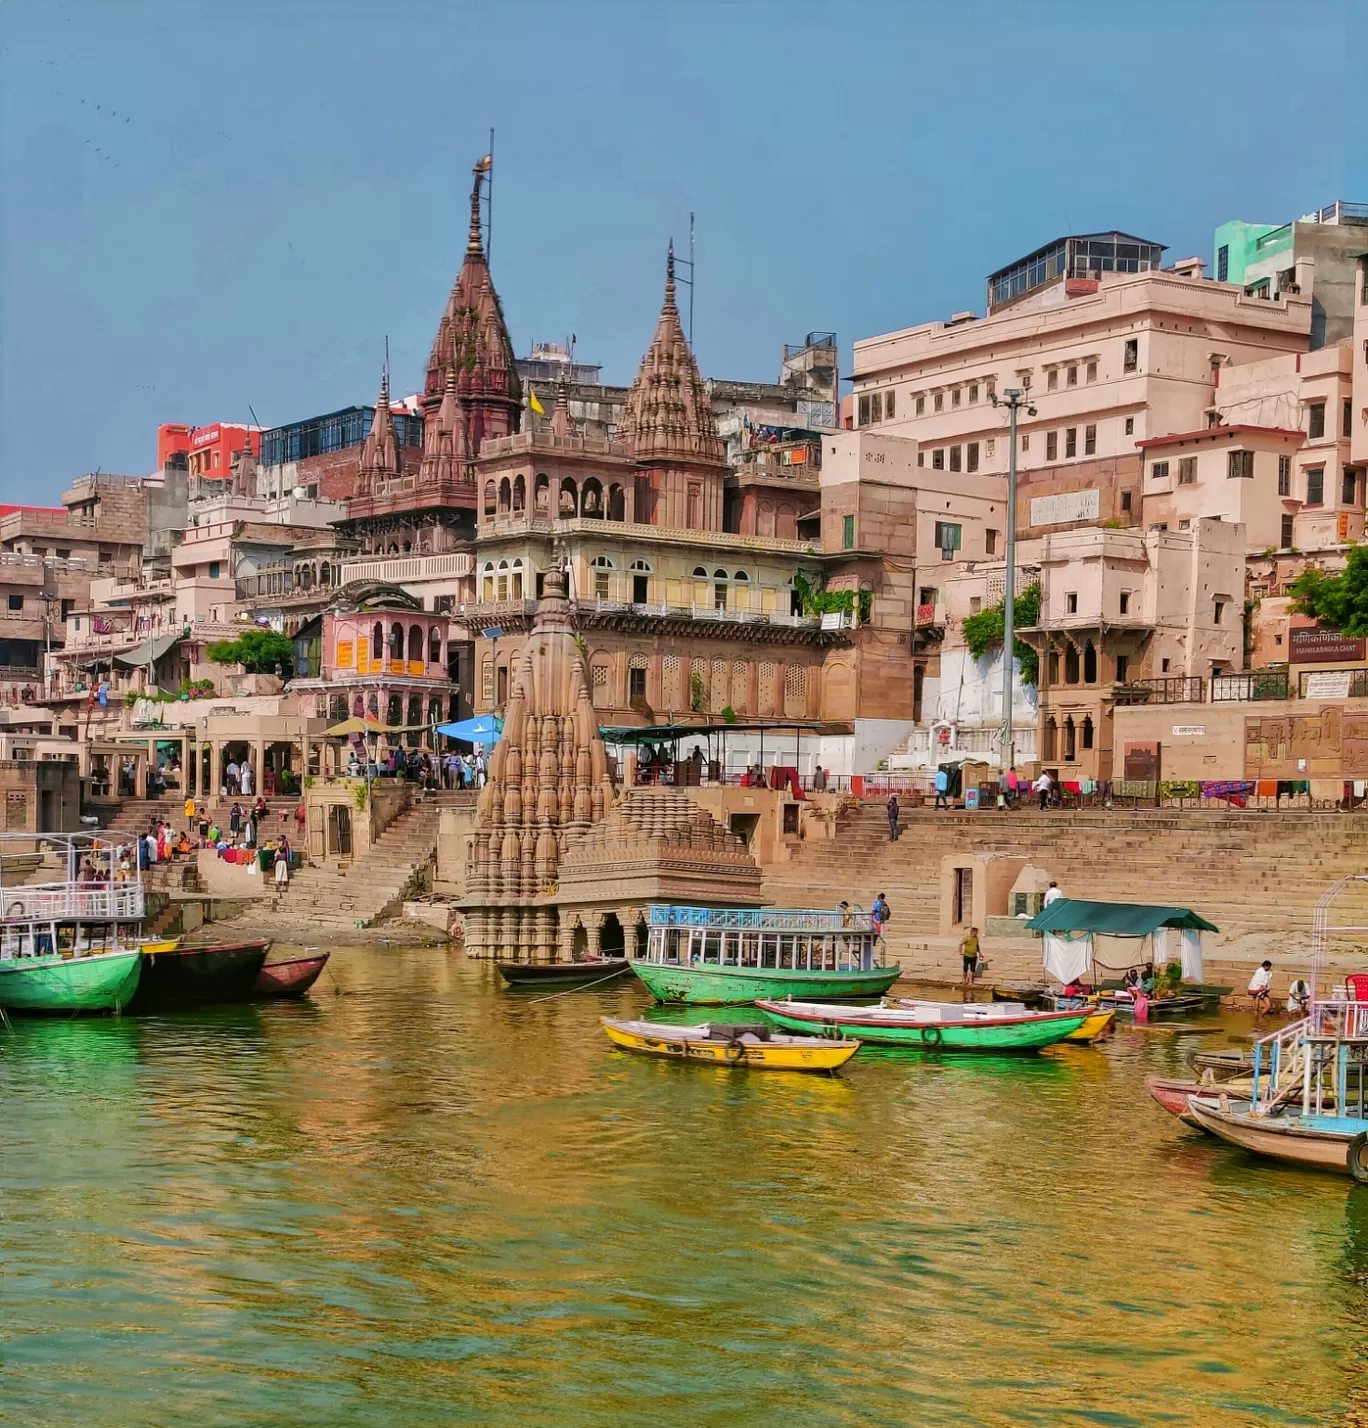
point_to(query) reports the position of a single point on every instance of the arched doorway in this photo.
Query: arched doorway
(612, 940)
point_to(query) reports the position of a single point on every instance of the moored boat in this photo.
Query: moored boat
(1174, 1092)
(728, 957)
(98, 980)
(199, 976)
(754, 1047)
(931, 1026)
(289, 977)
(1338, 1143)
(1029, 994)
(541, 974)
(1231, 1061)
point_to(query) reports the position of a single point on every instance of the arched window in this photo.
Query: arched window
(601, 568)
(591, 501)
(1071, 665)
(641, 582)
(541, 494)
(1089, 663)
(415, 644)
(487, 592)
(490, 498)
(377, 641)
(517, 579)
(396, 641)
(569, 500)
(505, 496)
(434, 645)
(415, 717)
(617, 503)
(325, 574)
(719, 589)
(394, 711)
(503, 580)
(700, 573)
(358, 707)
(408, 546)
(1051, 729)
(1087, 731)
(1070, 749)
(519, 495)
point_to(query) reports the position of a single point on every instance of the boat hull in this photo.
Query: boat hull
(1099, 1022)
(199, 976)
(813, 1054)
(737, 986)
(541, 974)
(1277, 1137)
(104, 981)
(1029, 1032)
(291, 978)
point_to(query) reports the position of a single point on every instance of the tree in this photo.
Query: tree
(257, 651)
(985, 630)
(1340, 602)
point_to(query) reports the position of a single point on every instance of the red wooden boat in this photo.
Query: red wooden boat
(199, 976)
(1172, 1093)
(291, 977)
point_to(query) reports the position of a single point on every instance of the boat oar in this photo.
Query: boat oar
(584, 988)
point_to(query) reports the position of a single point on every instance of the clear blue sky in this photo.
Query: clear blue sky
(207, 205)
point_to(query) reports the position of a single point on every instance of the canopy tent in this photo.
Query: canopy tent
(148, 652)
(356, 725)
(1070, 926)
(1114, 919)
(484, 729)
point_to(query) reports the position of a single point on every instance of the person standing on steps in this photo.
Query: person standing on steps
(1042, 788)
(942, 787)
(235, 820)
(1052, 894)
(969, 951)
(282, 863)
(879, 912)
(893, 818)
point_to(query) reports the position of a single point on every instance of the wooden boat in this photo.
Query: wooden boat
(1174, 1092)
(541, 974)
(1224, 1064)
(755, 1048)
(98, 980)
(1098, 1023)
(1027, 994)
(199, 976)
(932, 1026)
(727, 957)
(158, 944)
(290, 977)
(1318, 1142)
(1159, 1007)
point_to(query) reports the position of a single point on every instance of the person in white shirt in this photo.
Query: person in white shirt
(1259, 984)
(1052, 894)
(1042, 788)
(1299, 998)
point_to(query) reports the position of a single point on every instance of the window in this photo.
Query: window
(973, 397)
(1315, 420)
(1125, 500)
(1125, 602)
(975, 604)
(1163, 666)
(601, 568)
(1315, 486)
(955, 397)
(1090, 372)
(1071, 602)
(971, 456)
(1131, 361)
(1090, 439)
(939, 401)
(1090, 663)
(948, 536)
(888, 405)
(67, 607)
(1130, 426)
(989, 445)
(16, 602)
(719, 589)
(1187, 471)
(1223, 263)
(1218, 612)
(954, 458)
(1347, 427)
(214, 568)
(1350, 488)
(1284, 475)
(927, 595)
(848, 531)
(1159, 471)
(1123, 670)
(1073, 376)
(636, 686)
(1087, 718)
(990, 540)
(641, 582)
(1051, 445)
(1286, 533)
(1025, 440)
(1070, 441)
(938, 459)
(921, 406)
(921, 458)
(1052, 380)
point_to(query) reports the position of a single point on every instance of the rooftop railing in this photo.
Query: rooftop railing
(94, 902)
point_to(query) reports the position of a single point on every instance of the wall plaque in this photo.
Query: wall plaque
(1309, 644)
(1067, 506)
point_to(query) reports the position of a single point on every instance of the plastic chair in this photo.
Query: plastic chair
(1357, 982)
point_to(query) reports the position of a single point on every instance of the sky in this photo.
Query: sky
(213, 209)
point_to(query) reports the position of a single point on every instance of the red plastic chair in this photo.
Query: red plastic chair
(1357, 982)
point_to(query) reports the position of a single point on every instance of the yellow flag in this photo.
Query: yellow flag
(534, 403)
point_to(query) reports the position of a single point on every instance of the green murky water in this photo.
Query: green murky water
(432, 1201)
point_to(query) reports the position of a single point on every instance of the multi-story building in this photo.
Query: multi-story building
(210, 452)
(317, 459)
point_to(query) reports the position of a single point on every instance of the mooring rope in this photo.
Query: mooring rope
(552, 997)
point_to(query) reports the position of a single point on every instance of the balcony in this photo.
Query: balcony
(1252, 684)
(395, 570)
(1167, 689)
(515, 614)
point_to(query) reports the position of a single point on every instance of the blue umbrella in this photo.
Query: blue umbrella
(483, 730)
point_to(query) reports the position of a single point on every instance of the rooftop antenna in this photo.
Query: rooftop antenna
(255, 421)
(689, 264)
(489, 201)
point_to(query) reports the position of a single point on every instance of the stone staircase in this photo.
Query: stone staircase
(330, 896)
(1256, 876)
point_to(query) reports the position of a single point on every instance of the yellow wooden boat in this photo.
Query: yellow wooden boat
(154, 945)
(1096, 1025)
(755, 1047)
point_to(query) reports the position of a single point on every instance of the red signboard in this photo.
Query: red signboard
(1309, 644)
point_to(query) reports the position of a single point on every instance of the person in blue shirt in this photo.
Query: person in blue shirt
(942, 787)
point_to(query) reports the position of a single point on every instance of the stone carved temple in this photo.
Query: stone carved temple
(560, 867)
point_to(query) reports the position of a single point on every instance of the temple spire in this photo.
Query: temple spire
(380, 454)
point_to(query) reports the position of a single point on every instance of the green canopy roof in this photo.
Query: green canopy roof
(1119, 919)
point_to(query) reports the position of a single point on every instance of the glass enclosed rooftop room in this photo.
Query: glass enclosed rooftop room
(1084, 255)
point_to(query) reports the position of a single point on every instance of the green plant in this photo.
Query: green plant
(257, 651)
(816, 599)
(362, 797)
(985, 630)
(1173, 975)
(1339, 601)
(695, 691)
(729, 715)
(308, 780)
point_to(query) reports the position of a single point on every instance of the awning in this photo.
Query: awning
(1115, 919)
(482, 730)
(357, 725)
(149, 652)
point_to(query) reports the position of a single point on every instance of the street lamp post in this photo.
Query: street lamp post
(1015, 399)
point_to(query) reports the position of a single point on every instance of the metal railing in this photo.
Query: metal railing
(1251, 685)
(1348, 683)
(1166, 689)
(760, 919)
(48, 902)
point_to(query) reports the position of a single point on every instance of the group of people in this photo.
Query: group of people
(238, 779)
(1261, 993)
(879, 912)
(450, 770)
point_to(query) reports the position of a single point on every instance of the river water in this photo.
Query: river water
(423, 1199)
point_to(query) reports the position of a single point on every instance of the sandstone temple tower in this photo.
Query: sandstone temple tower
(548, 783)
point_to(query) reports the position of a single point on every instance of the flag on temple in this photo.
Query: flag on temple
(534, 403)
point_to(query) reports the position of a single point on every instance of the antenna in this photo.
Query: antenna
(387, 362)
(689, 264)
(489, 201)
(255, 420)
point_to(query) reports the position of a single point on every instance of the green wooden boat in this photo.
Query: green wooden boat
(731, 956)
(931, 1026)
(53, 982)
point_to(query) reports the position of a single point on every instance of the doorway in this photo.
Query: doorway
(964, 895)
(744, 826)
(612, 940)
(340, 830)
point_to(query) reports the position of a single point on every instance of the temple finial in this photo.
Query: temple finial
(669, 275)
(475, 245)
(384, 374)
